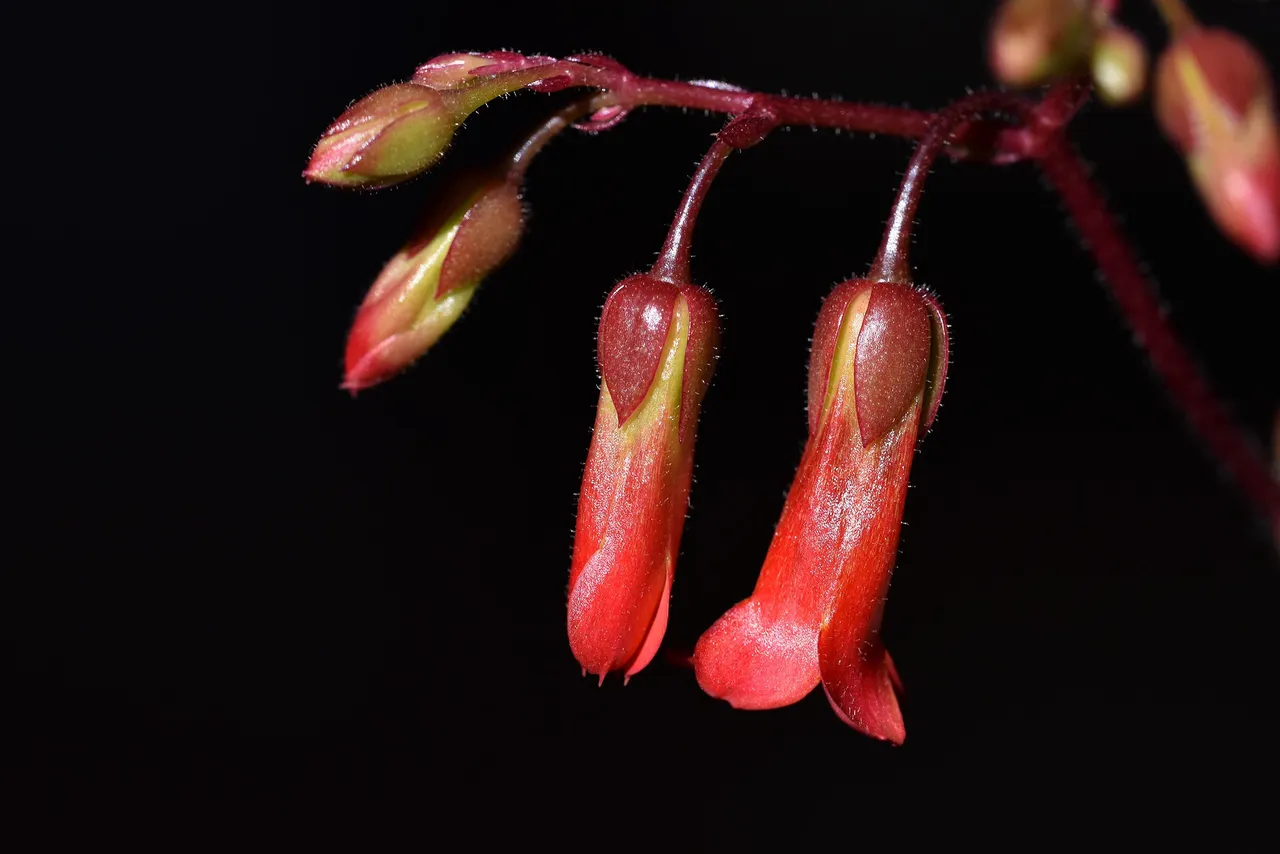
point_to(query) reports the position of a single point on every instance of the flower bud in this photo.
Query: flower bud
(1214, 99)
(426, 286)
(876, 372)
(1034, 41)
(1119, 66)
(656, 352)
(401, 130)
(396, 133)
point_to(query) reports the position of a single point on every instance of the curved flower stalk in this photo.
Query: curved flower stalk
(814, 616)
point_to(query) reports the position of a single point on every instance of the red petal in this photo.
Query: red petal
(856, 672)
(630, 516)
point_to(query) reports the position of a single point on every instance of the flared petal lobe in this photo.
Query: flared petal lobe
(814, 616)
(656, 356)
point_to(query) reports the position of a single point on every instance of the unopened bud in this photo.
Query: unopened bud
(1214, 100)
(394, 134)
(1033, 41)
(401, 130)
(423, 290)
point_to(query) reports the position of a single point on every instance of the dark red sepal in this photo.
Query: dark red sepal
(891, 358)
(634, 326)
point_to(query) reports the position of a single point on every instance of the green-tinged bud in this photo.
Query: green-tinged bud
(1034, 41)
(394, 134)
(1119, 66)
(423, 290)
(401, 130)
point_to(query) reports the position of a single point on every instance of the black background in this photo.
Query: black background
(242, 595)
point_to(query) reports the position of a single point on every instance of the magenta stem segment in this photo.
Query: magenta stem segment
(891, 263)
(673, 261)
(630, 91)
(548, 130)
(1238, 454)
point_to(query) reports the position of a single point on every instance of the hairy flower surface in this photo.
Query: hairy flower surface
(814, 618)
(423, 290)
(656, 352)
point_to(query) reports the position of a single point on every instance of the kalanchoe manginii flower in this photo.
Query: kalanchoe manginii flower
(1214, 99)
(426, 286)
(875, 377)
(401, 130)
(656, 352)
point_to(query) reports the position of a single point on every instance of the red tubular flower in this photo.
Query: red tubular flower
(656, 352)
(1214, 99)
(875, 376)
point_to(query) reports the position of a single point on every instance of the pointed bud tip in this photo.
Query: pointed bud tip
(1214, 100)
(387, 137)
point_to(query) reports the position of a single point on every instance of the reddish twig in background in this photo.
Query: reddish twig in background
(1239, 455)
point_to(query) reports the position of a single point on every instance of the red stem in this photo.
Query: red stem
(1239, 455)
(673, 261)
(629, 91)
(891, 263)
(519, 161)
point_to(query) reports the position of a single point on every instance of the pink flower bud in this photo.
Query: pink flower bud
(400, 131)
(876, 372)
(426, 286)
(1033, 41)
(656, 353)
(1214, 99)
(392, 135)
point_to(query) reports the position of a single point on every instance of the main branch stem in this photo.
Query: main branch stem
(629, 91)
